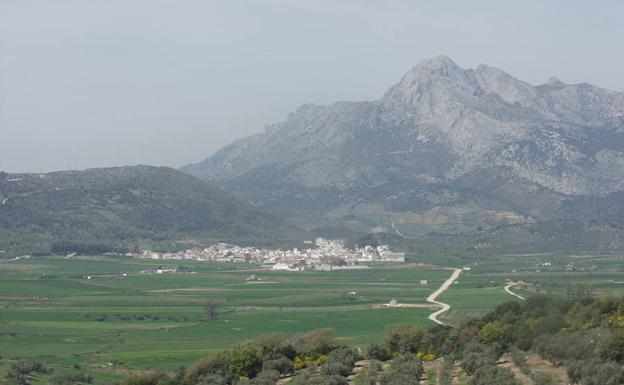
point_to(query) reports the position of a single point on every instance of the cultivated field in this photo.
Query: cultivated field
(114, 323)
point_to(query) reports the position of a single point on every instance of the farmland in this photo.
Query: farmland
(127, 318)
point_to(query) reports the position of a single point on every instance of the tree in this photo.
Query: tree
(244, 361)
(491, 332)
(315, 343)
(612, 347)
(211, 310)
(274, 346)
(377, 352)
(406, 370)
(477, 355)
(404, 338)
(493, 375)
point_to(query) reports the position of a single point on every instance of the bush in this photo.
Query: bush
(19, 371)
(519, 359)
(282, 365)
(406, 370)
(564, 346)
(541, 378)
(71, 378)
(596, 373)
(274, 346)
(266, 377)
(493, 375)
(145, 379)
(327, 380)
(315, 343)
(211, 368)
(404, 338)
(612, 347)
(446, 372)
(340, 362)
(477, 355)
(377, 352)
(244, 361)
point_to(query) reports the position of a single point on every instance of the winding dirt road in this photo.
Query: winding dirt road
(508, 290)
(433, 297)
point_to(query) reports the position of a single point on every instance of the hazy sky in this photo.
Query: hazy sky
(87, 83)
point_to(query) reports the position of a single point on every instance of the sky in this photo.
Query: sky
(97, 83)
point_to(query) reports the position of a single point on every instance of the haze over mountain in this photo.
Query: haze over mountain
(446, 151)
(102, 209)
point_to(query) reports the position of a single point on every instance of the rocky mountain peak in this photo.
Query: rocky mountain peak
(432, 87)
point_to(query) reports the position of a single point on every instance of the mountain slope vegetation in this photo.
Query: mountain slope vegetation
(109, 208)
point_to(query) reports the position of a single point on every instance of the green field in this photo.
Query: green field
(113, 322)
(53, 313)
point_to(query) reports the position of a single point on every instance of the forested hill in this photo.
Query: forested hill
(103, 208)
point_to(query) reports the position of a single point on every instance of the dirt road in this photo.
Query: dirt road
(433, 297)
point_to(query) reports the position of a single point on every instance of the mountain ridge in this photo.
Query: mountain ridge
(422, 153)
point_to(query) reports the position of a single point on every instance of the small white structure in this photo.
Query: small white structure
(393, 303)
(281, 266)
(424, 282)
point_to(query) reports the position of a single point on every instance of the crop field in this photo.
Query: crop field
(128, 318)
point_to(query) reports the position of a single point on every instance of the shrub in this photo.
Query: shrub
(266, 377)
(315, 343)
(519, 359)
(327, 380)
(541, 378)
(216, 364)
(596, 373)
(493, 375)
(404, 338)
(274, 346)
(612, 347)
(19, 371)
(377, 352)
(244, 361)
(282, 365)
(477, 355)
(145, 379)
(340, 362)
(71, 378)
(406, 370)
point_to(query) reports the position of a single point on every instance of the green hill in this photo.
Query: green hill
(107, 208)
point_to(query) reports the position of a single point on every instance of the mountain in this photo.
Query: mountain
(121, 207)
(450, 154)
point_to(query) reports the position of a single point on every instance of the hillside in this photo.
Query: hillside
(125, 206)
(445, 152)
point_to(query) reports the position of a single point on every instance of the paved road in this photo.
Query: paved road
(433, 297)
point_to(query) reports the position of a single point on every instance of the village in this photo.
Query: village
(327, 255)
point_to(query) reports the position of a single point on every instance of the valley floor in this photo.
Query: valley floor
(125, 319)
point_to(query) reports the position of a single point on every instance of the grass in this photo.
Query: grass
(53, 313)
(112, 324)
